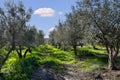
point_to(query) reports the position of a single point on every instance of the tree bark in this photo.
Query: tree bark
(75, 49)
(6, 57)
(94, 47)
(111, 61)
(19, 53)
(26, 52)
(81, 44)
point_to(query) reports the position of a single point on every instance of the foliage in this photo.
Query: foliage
(102, 16)
(49, 56)
(22, 68)
(91, 21)
(16, 33)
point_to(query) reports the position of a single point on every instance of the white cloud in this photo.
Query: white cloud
(60, 13)
(51, 29)
(45, 12)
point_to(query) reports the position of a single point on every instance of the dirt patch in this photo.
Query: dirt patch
(104, 74)
(45, 73)
(72, 73)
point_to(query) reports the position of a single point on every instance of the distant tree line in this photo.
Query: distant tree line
(90, 22)
(15, 33)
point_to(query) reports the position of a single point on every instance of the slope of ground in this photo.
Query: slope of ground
(49, 63)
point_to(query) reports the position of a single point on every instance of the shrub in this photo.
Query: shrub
(17, 77)
(26, 66)
(85, 52)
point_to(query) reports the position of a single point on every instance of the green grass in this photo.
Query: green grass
(21, 69)
(92, 59)
(52, 57)
(42, 55)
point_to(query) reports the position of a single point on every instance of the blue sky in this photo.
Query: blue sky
(46, 13)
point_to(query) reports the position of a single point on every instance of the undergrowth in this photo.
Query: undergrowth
(21, 69)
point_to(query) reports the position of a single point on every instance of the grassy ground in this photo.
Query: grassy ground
(88, 59)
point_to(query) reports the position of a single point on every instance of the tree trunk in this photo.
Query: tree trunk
(64, 48)
(75, 49)
(6, 57)
(111, 61)
(19, 53)
(81, 45)
(94, 47)
(26, 52)
(59, 45)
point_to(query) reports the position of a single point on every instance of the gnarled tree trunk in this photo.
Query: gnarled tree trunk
(28, 50)
(6, 57)
(19, 52)
(112, 55)
(111, 61)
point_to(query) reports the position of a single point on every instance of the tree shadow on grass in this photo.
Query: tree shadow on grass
(84, 54)
(101, 59)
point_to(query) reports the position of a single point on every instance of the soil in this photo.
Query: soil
(72, 73)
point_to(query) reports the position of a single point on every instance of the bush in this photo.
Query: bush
(85, 52)
(26, 66)
(20, 69)
(17, 77)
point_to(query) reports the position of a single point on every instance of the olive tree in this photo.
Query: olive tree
(40, 38)
(75, 29)
(105, 16)
(13, 18)
(52, 37)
